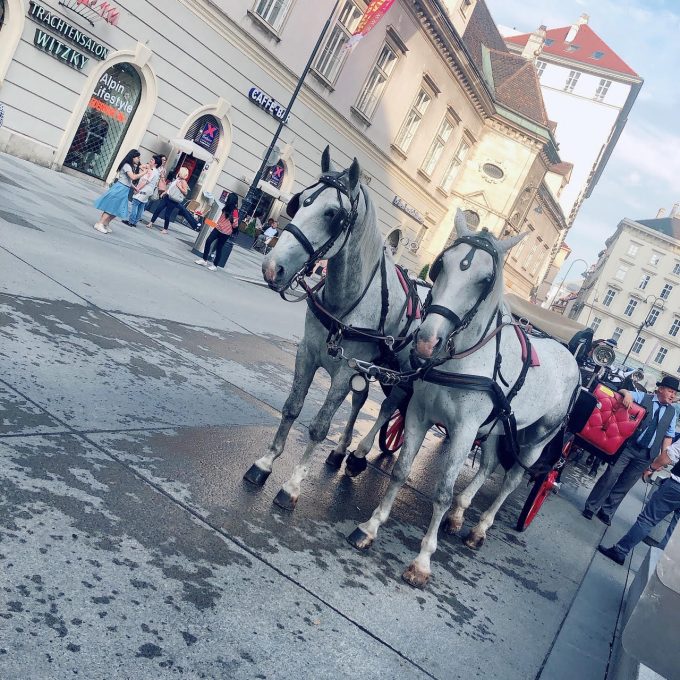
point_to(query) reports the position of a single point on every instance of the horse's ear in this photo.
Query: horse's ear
(326, 160)
(354, 174)
(505, 245)
(460, 223)
(293, 206)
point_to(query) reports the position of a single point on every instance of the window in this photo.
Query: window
(652, 317)
(435, 152)
(472, 218)
(633, 250)
(492, 171)
(666, 291)
(598, 54)
(595, 324)
(638, 345)
(572, 79)
(516, 252)
(377, 80)
(540, 67)
(660, 355)
(272, 11)
(602, 89)
(454, 166)
(630, 307)
(655, 259)
(413, 120)
(548, 42)
(646, 278)
(333, 54)
(609, 296)
(618, 332)
(621, 273)
(676, 269)
(675, 327)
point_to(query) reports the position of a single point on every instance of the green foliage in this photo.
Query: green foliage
(423, 272)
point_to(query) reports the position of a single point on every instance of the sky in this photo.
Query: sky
(643, 173)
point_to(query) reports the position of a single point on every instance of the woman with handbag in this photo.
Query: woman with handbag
(114, 203)
(171, 202)
(222, 233)
(144, 190)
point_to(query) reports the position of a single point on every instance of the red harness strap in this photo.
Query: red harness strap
(405, 286)
(523, 342)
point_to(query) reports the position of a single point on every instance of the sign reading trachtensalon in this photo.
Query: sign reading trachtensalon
(55, 46)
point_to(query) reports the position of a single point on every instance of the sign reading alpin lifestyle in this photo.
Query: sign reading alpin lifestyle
(56, 47)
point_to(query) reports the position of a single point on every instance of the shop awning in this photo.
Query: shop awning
(189, 147)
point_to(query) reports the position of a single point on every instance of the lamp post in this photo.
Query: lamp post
(565, 278)
(655, 299)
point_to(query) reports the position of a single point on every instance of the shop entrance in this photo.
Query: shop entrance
(393, 240)
(260, 201)
(106, 120)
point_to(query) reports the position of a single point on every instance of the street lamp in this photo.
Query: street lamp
(655, 299)
(565, 278)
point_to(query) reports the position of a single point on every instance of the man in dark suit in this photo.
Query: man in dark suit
(654, 435)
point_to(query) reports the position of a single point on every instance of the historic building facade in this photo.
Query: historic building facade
(633, 293)
(431, 101)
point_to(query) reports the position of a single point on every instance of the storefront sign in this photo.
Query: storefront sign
(411, 212)
(74, 35)
(107, 99)
(59, 50)
(266, 103)
(276, 175)
(207, 137)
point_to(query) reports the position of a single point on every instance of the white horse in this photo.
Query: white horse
(468, 332)
(362, 312)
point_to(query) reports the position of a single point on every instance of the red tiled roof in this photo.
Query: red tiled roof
(588, 43)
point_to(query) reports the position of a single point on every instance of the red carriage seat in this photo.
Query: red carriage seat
(610, 424)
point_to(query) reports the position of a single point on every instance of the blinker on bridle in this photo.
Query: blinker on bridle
(476, 243)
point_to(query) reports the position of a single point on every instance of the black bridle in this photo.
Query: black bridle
(476, 242)
(342, 223)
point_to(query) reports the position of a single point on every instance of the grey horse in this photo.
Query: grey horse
(335, 219)
(466, 312)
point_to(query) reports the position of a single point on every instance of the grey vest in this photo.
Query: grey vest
(664, 422)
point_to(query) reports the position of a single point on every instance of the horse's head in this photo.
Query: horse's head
(465, 276)
(323, 216)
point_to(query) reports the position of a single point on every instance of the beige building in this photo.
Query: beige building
(633, 293)
(431, 101)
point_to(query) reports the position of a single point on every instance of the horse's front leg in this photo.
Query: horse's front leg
(419, 570)
(489, 460)
(305, 369)
(416, 427)
(337, 455)
(356, 462)
(318, 429)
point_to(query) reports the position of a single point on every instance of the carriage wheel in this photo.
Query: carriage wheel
(391, 435)
(541, 489)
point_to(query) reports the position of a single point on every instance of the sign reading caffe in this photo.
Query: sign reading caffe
(61, 47)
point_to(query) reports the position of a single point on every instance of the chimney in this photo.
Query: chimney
(535, 44)
(661, 213)
(676, 210)
(583, 19)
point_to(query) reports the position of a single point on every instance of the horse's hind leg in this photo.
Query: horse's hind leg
(305, 369)
(510, 482)
(489, 460)
(318, 429)
(337, 455)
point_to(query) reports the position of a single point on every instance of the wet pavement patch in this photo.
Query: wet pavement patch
(17, 220)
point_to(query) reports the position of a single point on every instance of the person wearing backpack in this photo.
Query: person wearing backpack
(222, 234)
(171, 203)
(145, 189)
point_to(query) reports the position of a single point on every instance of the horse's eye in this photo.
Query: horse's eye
(330, 213)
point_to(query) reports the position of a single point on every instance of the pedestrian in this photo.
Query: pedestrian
(655, 434)
(664, 500)
(222, 234)
(171, 203)
(145, 189)
(114, 202)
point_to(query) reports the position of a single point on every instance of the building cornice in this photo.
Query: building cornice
(653, 233)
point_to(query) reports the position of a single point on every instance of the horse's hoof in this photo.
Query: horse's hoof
(359, 539)
(355, 466)
(415, 577)
(285, 500)
(335, 459)
(256, 475)
(474, 540)
(451, 526)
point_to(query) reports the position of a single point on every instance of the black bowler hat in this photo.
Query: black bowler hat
(669, 381)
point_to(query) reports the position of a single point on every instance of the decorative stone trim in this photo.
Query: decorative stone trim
(12, 29)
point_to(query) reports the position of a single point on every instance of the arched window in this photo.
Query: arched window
(205, 131)
(472, 218)
(105, 122)
(393, 239)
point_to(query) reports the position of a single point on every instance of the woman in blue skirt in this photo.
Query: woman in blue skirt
(114, 203)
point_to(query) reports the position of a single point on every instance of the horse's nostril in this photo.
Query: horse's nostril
(279, 271)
